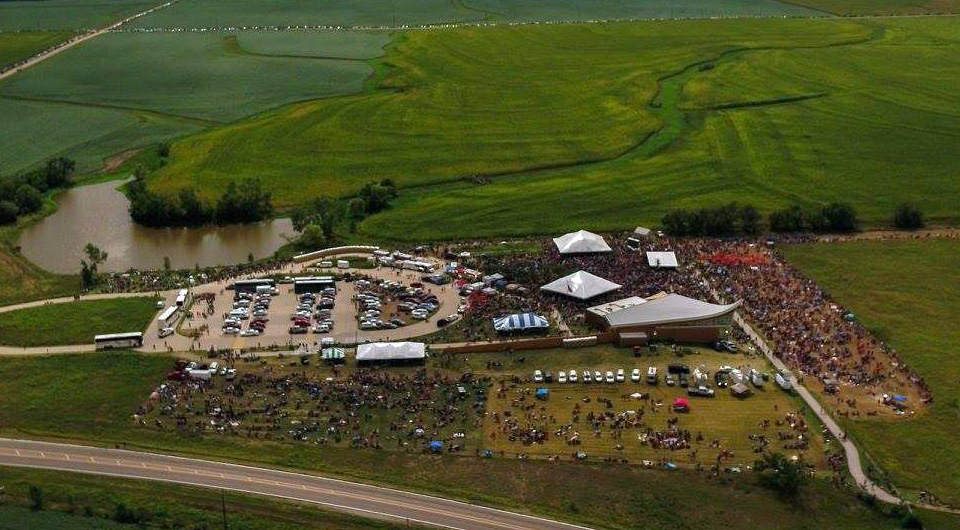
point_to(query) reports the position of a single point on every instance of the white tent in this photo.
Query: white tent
(581, 242)
(581, 285)
(662, 260)
(641, 231)
(391, 351)
(520, 322)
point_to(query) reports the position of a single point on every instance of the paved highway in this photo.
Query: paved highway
(350, 497)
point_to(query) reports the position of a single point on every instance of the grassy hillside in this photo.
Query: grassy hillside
(67, 14)
(226, 13)
(641, 119)
(21, 45)
(74, 501)
(908, 293)
(80, 408)
(882, 7)
(462, 102)
(75, 322)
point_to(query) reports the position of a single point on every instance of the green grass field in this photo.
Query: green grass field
(34, 15)
(160, 86)
(630, 127)
(81, 407)
(75, 322)
(227, 13)
(21, 45)
(908, 293)
(882, 7)
(74, 501)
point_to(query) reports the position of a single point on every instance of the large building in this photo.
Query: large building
(664, 317)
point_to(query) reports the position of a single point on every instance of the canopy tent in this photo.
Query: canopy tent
(581, 242)
(740, 390)
(391, 351)
(662, 260)
(581, 285)
(520, 322)
(681, 404)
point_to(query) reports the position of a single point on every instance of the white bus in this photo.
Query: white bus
(169, 316)
(119, 340)
(182, 297)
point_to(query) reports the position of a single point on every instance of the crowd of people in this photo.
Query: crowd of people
(163, 280)
(366, 408)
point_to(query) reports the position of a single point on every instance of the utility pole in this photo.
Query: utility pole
(223, 507)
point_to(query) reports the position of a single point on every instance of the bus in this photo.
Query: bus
(119, 340)
(169, 316)
(250, 286)
(182, 297)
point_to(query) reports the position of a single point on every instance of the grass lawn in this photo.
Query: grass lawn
(75, 322)
(21, 45)
(908, 293)
(74, 501)
(32, 15)
(80, 407)
(882, 7)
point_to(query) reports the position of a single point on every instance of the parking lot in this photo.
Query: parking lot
(208, 330)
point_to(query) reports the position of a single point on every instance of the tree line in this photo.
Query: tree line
(734, 219)
(318, 222)
(23, 194)
(243, 202)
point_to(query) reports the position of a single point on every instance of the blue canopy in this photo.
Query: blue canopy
(520, 322)
(436, 447)
(542, 392)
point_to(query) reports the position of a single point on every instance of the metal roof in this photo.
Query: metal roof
(668, 309)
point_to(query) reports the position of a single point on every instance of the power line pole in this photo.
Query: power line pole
(223, 507)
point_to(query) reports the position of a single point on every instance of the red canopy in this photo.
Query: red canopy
(681, 403)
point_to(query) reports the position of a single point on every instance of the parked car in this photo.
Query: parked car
(165, 332)
(652, 375)
(635, 375)
(620, 377)
(537, 376)
(562, 377)
(572, 376)
(609, 377)
(587, 378)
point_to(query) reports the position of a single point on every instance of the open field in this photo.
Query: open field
(75, 322)
(74, 501)
(81, 408)
(67, 14)
(882, 7)
(21, 45)
(907, 292)
(227, 13)
(159, 86)
(459, 103)
(766, 121)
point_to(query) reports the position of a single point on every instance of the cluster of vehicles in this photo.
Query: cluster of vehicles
(696, 381)
(253, 307)
(184, 370)
(413, 300)
(312, 307)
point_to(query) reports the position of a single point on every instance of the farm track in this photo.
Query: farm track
(134, 110)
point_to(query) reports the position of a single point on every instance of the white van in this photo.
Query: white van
(652, 375)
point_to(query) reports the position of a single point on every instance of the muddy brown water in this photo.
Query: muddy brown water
(98, 214)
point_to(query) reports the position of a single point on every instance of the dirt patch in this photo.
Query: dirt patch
(114, 162)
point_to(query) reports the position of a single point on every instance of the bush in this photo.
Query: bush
(834, 217)
(8, 212)
(840, 217)
(908, 217)
(726, 220)
(911, 521)
(36, 498)
(779, 473)
(791, 219)
(27, 198)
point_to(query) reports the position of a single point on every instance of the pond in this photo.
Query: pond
(98, 214)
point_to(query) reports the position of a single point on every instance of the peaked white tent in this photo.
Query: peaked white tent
(581, 285)
(581, 242)
(520, 322)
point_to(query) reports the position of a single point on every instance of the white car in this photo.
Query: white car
(250, 332)
(572, 376)
(586, 376)
(165, 332)
(620, 377)
(537, 376)
(160, 304)
(562, 377)
(231, 331)
(597, 376)
(609, 376)
(635, 375)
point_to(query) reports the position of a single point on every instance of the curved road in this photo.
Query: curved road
(350, 497)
